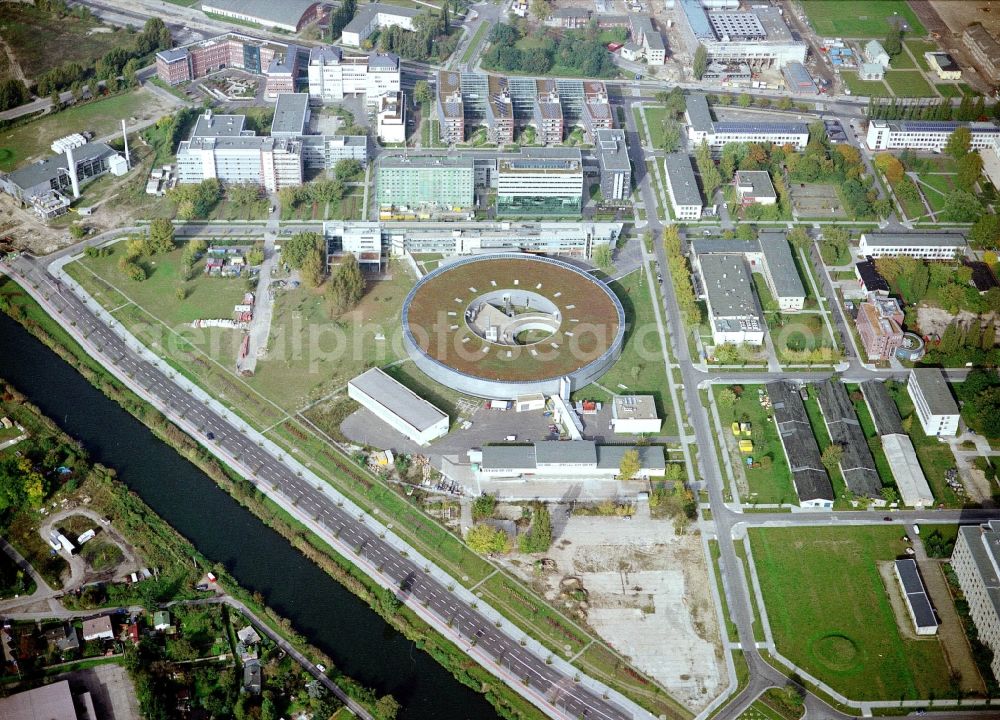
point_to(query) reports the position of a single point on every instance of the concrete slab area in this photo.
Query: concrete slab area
(649, 597)
(110, 690)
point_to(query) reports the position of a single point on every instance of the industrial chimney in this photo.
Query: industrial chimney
(128, 160)
(67, 145)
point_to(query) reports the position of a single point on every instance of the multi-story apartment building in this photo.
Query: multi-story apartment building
(541, 181)
(504, 104)
(923, 245)
(879, 323)
(925, 134)
(702, 128)
(985, 50)
(976, 562)
(682, 187)
(548, 112)
(616, 170)
(334, 74)
(426, 182)
(499, 111)
(932, 399)
(450, 107)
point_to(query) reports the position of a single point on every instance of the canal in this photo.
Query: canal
(358, 640)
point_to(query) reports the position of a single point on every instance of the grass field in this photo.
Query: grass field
(940, 187)
(830, 613)
(654, 118)
(858, 18)
(870, 88)
(772, 485)
(908, 83)
(903, 61)
(474, 43)
(640, 368)
(37, 37)
(917, 48)
(102, 117)
(948, 90)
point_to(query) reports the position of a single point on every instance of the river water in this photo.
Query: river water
(358, 640)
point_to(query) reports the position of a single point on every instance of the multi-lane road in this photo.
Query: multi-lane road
(498, 649)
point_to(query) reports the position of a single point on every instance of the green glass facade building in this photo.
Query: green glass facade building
(426, 182)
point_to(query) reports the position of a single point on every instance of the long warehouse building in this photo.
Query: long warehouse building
(399, 407)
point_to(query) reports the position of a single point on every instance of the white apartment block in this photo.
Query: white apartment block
(929, 135)
(923, 245)
(932, 399)
(976, 562)
(333, 75)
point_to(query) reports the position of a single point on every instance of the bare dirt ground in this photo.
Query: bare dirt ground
(959, 15)
(648, 596)
(935, 320)
(26, 232)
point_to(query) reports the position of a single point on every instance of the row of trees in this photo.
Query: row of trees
(923, 109)
(196, 201)
(680, 273)
(577, 52)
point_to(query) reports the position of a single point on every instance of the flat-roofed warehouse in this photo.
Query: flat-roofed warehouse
(856, 463)
(555, 460)
(288, 15)
(812, 484)
(399, 407)
(917, 603)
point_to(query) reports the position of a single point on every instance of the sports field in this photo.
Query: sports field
(859, 18)
(830, 613)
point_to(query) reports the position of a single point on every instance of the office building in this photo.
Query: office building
(569, 18)
(875, 53)
(540, 181)
(929, 135)
(976, 562)
(754, 187)
(554, 460)
(229, 50)
(771, 256)
(933, 401)
(871, 71)
(288, 15)
(335, 74)
(391, 118)
(397, 406)
(504, 104)
(291, 115)
(682, 187)
(758, 37)
(634, 414)
(282, 72)
(923, 245)
(648, 38)
(880, 326)
(361, 239)
(728, 292)
(702, 128)
(426, 182)
(376, 16)
(569, 239)
(616, 170)
(985, 51)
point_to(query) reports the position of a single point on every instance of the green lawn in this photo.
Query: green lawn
(767, 485)
(948, 90)
(830, 613)
(908, 83)
(474, 43)
(871, 88)
(918, 48)
(654, 118)
(903, 61)
(640, 368)
(102, 117)
(858, 18)
(940, 187)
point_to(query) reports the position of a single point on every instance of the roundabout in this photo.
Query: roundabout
(498, 326)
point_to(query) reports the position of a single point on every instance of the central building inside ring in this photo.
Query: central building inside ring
(499, 326)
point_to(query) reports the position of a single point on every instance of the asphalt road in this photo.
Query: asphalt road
(551, 690)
